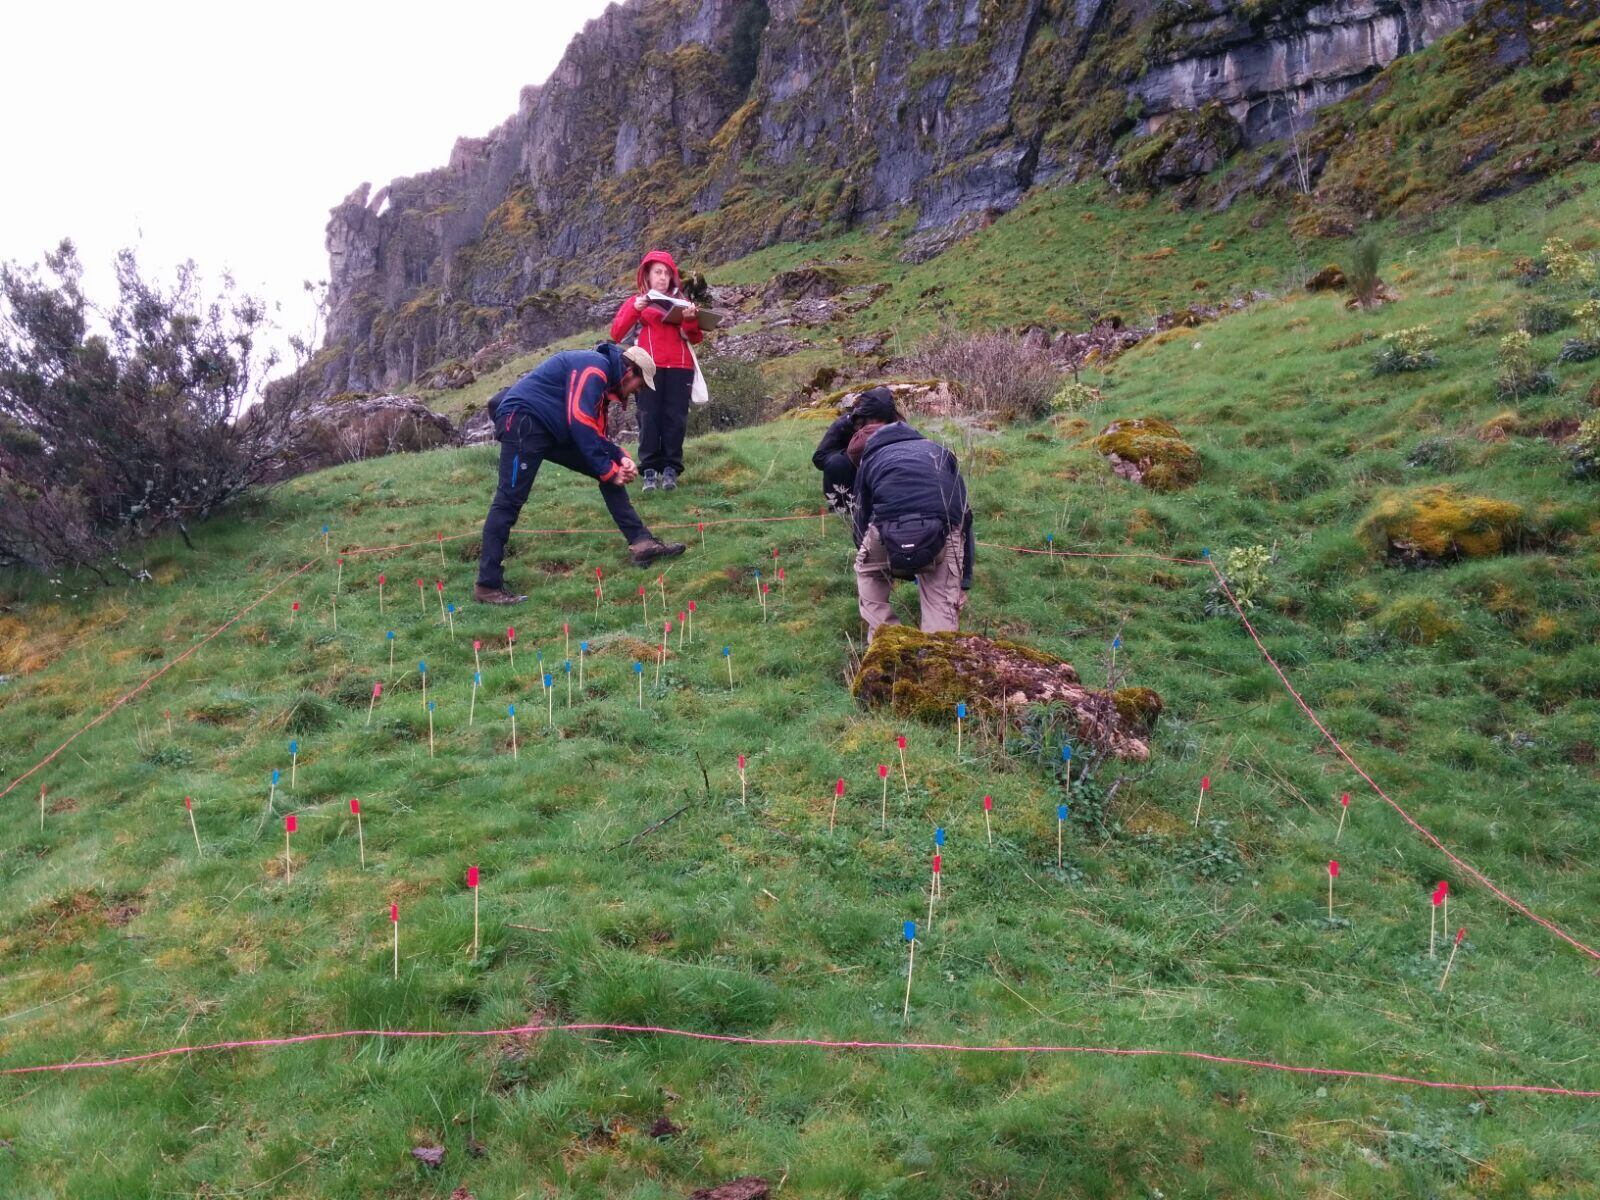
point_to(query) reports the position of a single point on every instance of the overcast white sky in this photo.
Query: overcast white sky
(225, 133)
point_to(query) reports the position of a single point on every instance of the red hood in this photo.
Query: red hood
(657, 256)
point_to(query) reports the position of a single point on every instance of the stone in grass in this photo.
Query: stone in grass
(430, 1156)
(925, 675)
(1148, 451)
(751, 1187)
(1430, 525)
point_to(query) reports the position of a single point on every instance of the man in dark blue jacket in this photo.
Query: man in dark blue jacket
(557, 413)
(911, 522)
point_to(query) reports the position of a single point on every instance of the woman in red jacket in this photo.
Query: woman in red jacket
(663, 410)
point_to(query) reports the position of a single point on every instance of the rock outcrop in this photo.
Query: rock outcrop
(347, 429)
(720, 126)
(1431, 525)
(1268, 72)
(925, 675)
(1150, 452)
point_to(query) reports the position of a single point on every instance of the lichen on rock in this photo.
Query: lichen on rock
(1149, 451)
(1439, 524)
(925, 675)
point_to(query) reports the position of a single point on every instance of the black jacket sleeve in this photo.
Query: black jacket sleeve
(862, 505)
(834, 441)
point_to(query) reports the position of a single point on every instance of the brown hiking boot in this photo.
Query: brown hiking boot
(649, 549)
(497, 595)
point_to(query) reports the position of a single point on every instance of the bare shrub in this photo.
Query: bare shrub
(116, 422)
(997, 373)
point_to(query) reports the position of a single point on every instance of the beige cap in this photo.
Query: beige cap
(640, 357)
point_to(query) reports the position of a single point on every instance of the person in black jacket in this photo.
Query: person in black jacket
(838, 472)
(911, 521)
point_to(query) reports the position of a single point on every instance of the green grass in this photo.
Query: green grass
(756, 921)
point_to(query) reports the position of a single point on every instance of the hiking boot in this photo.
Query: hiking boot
(647, 550)
(485, 595)
(650, 478)
(669, 479)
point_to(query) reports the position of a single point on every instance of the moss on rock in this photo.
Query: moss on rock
(1436, 524)
(1419, 620)
(1149, 451)
(925, 675)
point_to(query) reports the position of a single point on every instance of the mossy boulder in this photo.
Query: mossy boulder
(1150, 452)
(925, 675)
(1439, 524)
(1329, 279)
(1419, 620)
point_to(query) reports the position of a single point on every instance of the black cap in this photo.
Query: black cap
(874, 404)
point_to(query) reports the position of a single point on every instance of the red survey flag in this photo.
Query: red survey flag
(290, 825)
(472, 877)
(355, 806)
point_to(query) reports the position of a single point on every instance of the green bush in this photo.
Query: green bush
(1587, 344)
(1586, 450)
(738, 396)
(1519, 374)
(1362, 273)
(1246, 570)
(1406, 350)
(1540, 318)
(1568, 266)
(1073, 397)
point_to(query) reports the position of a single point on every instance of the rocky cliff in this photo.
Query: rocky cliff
(718, 126)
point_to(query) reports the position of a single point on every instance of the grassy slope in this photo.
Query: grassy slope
(757, 921)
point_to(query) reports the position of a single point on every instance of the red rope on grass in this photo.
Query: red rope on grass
(1471, 870)
(814, 1043)
(149, 679)
(1196, 562)
(456, 537)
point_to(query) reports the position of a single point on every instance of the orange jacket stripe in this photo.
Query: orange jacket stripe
(575, 395)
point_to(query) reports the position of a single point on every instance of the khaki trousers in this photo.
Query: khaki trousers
(938, 586)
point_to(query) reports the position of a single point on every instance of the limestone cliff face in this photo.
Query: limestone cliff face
(1269, 74)
(719, 126)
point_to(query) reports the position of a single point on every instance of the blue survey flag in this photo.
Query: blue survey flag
(961, 712)
(638, 668)
(274, 776)
(1061, 812)
(938, 836)
(547, 680)
(430, 705)
(1066, 754)
(584, 646)
(1205, 552)
(477, 678)
(1116, 643)
(390, 635)
(567, 663)
(911, 931)
(511, 709)
(294, 746)
(726, 650)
